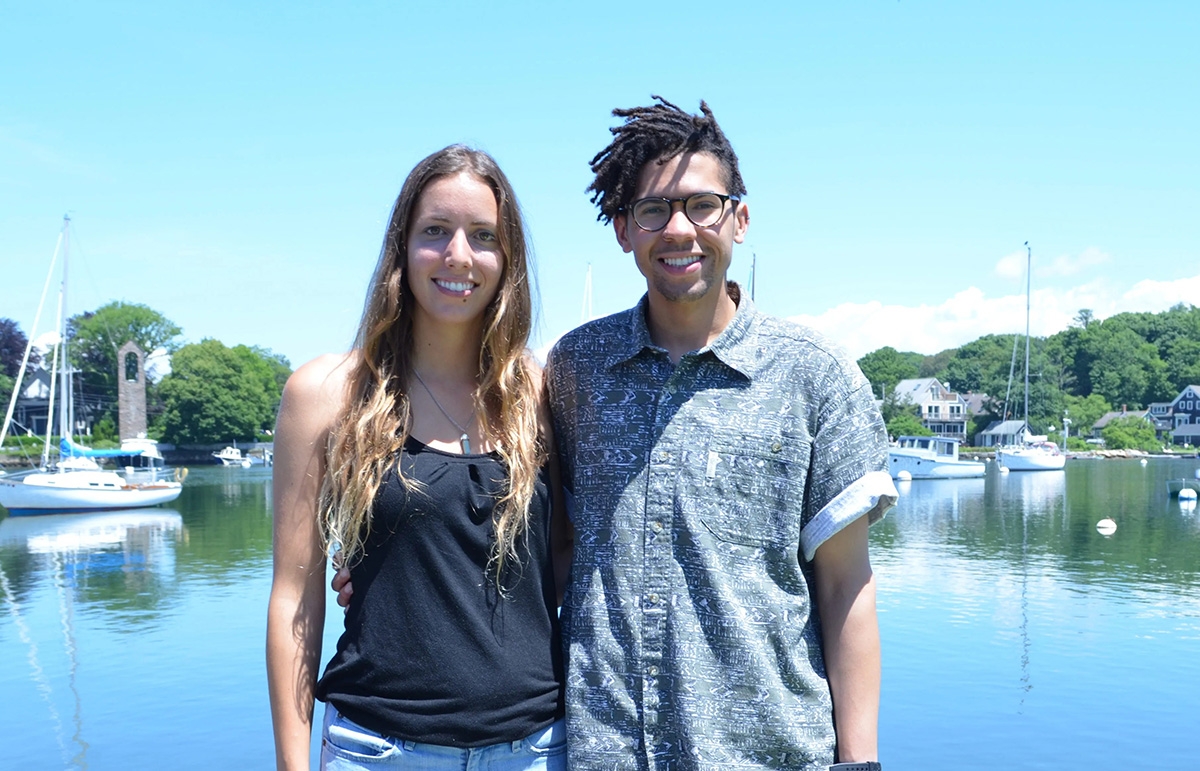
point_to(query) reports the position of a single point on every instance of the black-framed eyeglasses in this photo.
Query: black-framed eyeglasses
(702, 209)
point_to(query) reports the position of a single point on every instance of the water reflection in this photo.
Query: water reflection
(1036, 492)
(1009, 622)
(1051, 517)
(116, 559)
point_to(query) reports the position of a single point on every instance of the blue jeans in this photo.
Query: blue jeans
(347, 746)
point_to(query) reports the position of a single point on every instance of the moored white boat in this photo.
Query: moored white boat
(931, 457)
(1035, 456)
(49, 492)
(232, 456)
(1035, 453)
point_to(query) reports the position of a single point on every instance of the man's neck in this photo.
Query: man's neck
(682, 327)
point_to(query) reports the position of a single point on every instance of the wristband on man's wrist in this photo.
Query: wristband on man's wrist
(862, 765)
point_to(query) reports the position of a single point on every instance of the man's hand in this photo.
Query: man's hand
(341, 584)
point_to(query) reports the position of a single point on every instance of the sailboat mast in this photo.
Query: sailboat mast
(585, 313)
(66, 420)
(753, 272)
(1028, 272)
(12, 402)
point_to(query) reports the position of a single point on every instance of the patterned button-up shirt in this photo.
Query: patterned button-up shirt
(700, 493)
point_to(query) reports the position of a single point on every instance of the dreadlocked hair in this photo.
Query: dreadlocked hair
(364, 443)
(658, 132)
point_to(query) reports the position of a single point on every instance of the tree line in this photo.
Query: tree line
(212, 394)
(1091, 368)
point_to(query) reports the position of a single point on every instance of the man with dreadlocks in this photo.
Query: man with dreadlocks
(724, 467)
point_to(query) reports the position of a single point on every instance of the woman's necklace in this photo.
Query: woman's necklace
(463, 440)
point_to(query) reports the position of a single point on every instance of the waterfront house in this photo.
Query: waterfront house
(1108, 417)
(943, 411)
(1003, 433)
(33, 403)
(1185, 415)
(1160, 414)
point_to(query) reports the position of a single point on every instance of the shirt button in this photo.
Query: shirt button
(664, 456)
(653, 670)
(656, 527)
(653, 598)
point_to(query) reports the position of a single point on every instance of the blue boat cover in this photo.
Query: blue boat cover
(69, 449)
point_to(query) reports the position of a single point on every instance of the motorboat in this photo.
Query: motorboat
(931, 457)
(232, 456)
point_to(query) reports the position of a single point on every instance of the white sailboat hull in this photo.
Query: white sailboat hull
(1031, 459)
(47, 492)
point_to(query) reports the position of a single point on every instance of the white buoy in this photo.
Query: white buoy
(1187, 494)
(1198, 473)
(1144, 461)
(1106, 526)
(904, 476)
(1004, 469)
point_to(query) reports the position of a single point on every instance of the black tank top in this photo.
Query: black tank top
(431, 652)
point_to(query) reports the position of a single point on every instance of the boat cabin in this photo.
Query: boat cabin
(938, 445)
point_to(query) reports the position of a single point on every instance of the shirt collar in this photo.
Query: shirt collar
(734, 346)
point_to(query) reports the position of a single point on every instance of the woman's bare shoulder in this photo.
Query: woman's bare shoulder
(319, 387)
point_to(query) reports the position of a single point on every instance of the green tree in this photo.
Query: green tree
(935, 365)
(217, 394)
(267, 361)
(886, 367)
(1130, 433)
(1084, 411)
(1126, 369)
(1183, 364)
(12, 348)
(906, 424)
(6, 387)
(96, 336)
(982, 366)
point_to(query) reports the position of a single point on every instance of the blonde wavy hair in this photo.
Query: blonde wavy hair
(365, 442)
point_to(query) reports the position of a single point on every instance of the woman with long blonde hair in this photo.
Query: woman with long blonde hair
(421, 459)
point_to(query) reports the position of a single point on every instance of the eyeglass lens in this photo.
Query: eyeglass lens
(703, 209)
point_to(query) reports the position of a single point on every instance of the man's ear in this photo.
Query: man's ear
(741, 222)
(621, 229)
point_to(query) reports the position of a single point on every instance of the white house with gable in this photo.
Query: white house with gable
(944, 412)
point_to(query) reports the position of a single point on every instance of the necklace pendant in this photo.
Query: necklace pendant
(465, 441)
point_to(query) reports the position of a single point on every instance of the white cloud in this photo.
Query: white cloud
(1013, 265)
(1071, 264)
(46, 341)
(969, 314)
(158, 365)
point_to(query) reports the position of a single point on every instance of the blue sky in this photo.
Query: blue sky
(232, 165)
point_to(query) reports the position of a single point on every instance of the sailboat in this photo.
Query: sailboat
(75, 482)
(1035, 453)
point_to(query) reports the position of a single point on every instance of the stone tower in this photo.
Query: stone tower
(131, 390)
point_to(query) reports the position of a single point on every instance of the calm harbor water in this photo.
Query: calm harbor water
(1015, 636)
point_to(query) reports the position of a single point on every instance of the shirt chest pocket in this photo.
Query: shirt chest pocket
(752, 489)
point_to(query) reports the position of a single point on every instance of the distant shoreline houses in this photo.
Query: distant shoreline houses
(948, 413)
